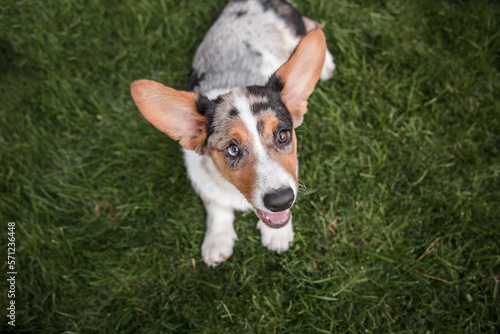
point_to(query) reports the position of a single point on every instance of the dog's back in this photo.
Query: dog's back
(249, 40)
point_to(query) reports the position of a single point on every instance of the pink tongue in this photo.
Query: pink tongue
(279, 217)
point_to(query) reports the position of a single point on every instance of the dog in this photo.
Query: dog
(247, 91)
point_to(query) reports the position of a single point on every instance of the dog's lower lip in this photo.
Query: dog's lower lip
(264, 216)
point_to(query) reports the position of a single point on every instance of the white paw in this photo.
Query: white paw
(218, 247)
(276, 239)
(328, 67)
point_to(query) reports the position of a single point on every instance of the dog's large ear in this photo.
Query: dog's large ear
(171, 111)
(301, 72)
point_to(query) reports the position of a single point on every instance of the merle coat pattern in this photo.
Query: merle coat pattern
(247, 92)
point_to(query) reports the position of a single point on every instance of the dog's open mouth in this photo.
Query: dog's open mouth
(276, 219)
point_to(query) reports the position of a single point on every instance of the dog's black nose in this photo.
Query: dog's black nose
(279, 199)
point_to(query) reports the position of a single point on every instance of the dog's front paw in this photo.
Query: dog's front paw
(276, 239)
(218, 247)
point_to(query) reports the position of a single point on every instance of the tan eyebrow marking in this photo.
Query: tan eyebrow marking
(270, 122)
(239, 132)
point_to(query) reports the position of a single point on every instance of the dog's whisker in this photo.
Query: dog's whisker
(303, 188)
(303, 191)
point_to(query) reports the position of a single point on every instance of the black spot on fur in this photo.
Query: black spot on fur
(240, 13)
(267, 4)
(273, 103)
(194, 79)
(275, 83)
(206, 107)
(291, 15)
(234, 113)
(250, 50)
(218, 99)
(258, 107)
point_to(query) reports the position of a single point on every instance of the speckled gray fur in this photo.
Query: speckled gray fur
(249, 41)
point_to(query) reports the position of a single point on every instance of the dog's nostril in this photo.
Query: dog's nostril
(279, 199)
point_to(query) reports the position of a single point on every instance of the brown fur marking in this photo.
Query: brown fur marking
(242, 178)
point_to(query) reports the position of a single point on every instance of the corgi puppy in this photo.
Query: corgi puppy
(247, 92)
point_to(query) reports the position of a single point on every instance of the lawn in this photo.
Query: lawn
(398, 222)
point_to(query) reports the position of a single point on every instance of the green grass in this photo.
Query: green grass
(399, 149)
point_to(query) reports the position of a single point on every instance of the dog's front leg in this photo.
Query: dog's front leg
(220, 236)
(276, 239)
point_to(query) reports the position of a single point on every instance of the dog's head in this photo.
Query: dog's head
(248, 132)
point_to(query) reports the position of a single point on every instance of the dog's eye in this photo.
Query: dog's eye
(284, 136)
(233, 150)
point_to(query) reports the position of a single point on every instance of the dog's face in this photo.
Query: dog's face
(251, 140)
(248, 132)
